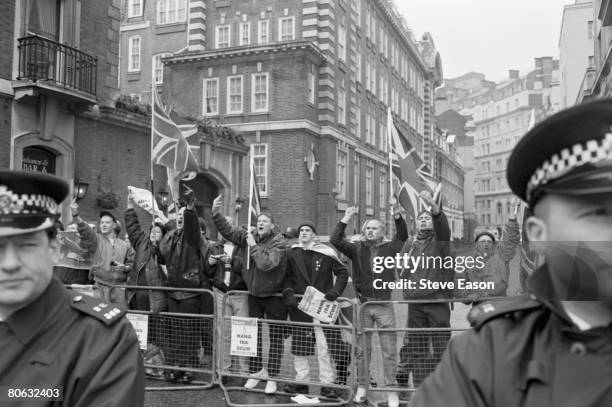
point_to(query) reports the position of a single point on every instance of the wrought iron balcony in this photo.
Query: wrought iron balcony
(41, 59)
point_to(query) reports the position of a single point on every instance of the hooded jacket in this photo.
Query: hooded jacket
(236, 266)
(266, 272)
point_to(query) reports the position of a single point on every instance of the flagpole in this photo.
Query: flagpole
(389, 149)
(152, 138)
(250, 214)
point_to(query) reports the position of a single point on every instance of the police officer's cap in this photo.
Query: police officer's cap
(29, 202)
(568, 153)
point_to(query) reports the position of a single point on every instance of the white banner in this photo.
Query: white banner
(140, 322)
(314, 304)
(142, 198)
(243, 337)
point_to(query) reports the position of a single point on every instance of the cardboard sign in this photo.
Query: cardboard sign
(71, 254)
(140, 322)
(243, 337)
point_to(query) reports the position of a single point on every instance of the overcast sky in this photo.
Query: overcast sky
(488, 36)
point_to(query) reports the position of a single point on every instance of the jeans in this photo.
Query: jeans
(271, 308)
(381, 316)
(235, 305)
(422, 351)
(302, 366)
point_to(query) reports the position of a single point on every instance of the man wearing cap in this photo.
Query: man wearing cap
(495, 256)
(314, 264)
(112, 257)
(79, 349)
(291, 235)
(553, 347)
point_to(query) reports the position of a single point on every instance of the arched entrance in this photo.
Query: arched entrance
(205, 189)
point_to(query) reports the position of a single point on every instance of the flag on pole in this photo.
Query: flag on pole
(171, 148)
(412, 173)
(254, 205)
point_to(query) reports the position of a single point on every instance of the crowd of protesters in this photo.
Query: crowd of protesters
(279, 267)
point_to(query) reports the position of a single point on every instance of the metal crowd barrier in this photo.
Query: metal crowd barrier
(180, 350)
(416, 350)
(323, 354)
(410, 353)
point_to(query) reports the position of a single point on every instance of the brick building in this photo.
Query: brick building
(58, 88)
(307, 84)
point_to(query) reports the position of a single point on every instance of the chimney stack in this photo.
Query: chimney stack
(513, 73)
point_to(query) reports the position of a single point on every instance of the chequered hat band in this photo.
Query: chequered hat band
(568, 159)
(26, 204)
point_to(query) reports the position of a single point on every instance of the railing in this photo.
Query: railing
(41, 59)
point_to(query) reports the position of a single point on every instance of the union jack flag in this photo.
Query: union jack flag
(171, 147)
(412, 173)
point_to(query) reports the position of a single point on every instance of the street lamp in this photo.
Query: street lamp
(80, 189)
(164, 199)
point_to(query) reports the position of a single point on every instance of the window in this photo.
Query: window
(357, 120)
(368, 73)
(43, 18)
(591, 62)
(134, 8)
(259, 97)
(264, 32)
(382, 191)
(590, 29)
(134, 54)
(383, 137)
(234, 94)
(358, 63)
(245, 33)
(311, 85)
(341, 106)
(223, 36)
(171, 11)
(356, 179)
(367, 127)
(372, 130)
(369, 182)
(259, 152)
(341, 42)
(286, 28)
(341, 173)
(158, 68)
(373, 79)
(211, 97)
(368, 23)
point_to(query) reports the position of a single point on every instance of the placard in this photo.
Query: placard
(140, 322)
(243, 337)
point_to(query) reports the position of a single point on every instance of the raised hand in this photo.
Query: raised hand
(349, 213)
(217, 203)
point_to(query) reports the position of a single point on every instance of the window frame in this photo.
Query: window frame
(174, 4)
(131, 6)
(263, 192)
(218, 28)
(242, 32)
(205, 97)
(131, 52)
(260, 23)
(341, 172)
(157, 57)
(229, 94)
(253, 91)
(280, 28)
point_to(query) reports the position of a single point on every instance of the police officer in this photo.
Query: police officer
(554, 346)
(62, 348)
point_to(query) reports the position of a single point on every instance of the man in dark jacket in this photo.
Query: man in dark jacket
(184, 251)
(57, 348)
(264, 278)
(553, 347)
(432, 245)
(314, 264)
(366, 283)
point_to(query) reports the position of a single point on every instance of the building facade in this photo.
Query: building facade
(501, 116)
(576, 51)
(308, 85)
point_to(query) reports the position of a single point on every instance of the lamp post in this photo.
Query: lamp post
(164, 199)
(80, 189)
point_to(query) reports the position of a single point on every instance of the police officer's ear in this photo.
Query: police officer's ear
(54, 247)
(536, 229)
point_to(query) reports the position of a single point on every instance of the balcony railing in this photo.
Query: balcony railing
(41, 59)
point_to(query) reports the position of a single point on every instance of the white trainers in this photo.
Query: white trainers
(360, 395)
(254, 380)
(270, 387)
(392, 399)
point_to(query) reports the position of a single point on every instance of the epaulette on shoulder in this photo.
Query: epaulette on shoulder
(97, 308)
(489, 310)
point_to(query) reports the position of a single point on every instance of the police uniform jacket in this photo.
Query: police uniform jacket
(73, 342)
(523, 352)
